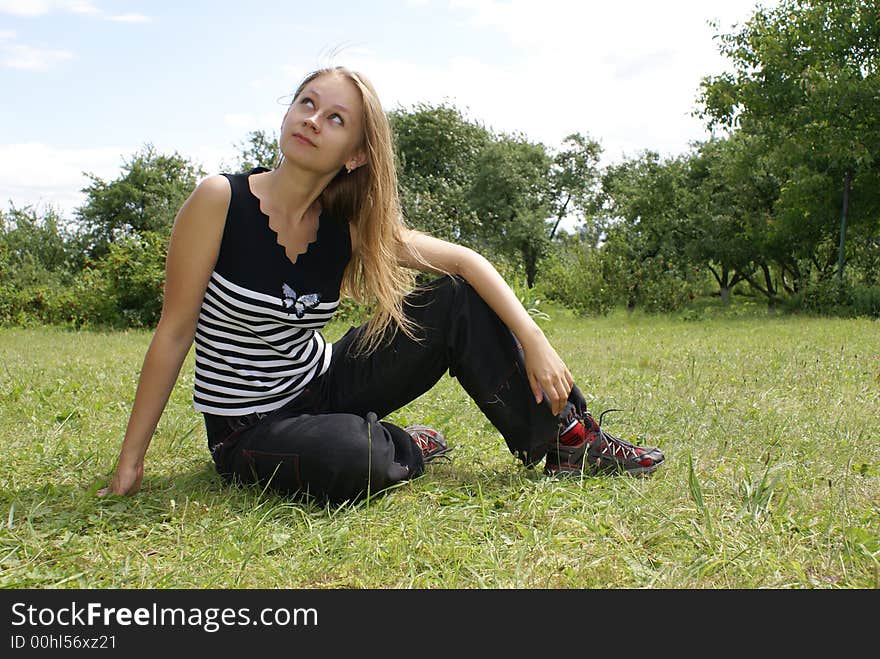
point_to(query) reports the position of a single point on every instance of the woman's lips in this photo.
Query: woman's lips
(303, 139)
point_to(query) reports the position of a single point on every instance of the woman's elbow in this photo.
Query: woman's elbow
(469, 261)
(176, 329)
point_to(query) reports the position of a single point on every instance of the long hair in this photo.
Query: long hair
(368, 197)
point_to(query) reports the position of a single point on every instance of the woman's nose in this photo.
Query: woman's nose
(312, 122)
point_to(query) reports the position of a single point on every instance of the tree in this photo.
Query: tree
(647, 229)
(806, 78)
(730, 191)
(512, 196)
(259, 149)
(37, 248)
(575, 178)
(437, 153)
(144, 198)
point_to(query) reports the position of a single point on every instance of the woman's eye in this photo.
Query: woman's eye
(337, 119)
(307, 100)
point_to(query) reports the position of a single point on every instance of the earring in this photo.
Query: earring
(348, 168)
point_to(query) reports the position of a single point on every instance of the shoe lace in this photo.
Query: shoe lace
(613, 444)
(604, 412)
(429, 446)
(425, 443)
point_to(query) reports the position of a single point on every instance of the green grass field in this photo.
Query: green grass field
(772, 480)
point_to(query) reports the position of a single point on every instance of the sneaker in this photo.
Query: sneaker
(596, 450)
(431, 442)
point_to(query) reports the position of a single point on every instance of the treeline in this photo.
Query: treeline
(783, 204)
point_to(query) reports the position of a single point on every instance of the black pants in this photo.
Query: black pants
(329, 442)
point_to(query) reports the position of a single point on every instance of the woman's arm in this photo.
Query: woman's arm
(546, 371)
(192, 254)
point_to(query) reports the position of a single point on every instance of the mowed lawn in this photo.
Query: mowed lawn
(772, 480)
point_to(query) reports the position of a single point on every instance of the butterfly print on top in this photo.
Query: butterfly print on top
(298, 304)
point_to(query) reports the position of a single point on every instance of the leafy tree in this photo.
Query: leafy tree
(259, 149)
(575, 179)
(144, 198)
(647, 230)
(806, 78)
(437, 153)
(512, 195)
(729, 194)
(38, 249)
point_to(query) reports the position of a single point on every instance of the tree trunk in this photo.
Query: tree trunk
(724, 285)
(771, 289)
(847, 185)
(559, 217)
(530, 260)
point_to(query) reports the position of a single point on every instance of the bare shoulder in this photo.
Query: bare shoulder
(213, 189)
(208, 203)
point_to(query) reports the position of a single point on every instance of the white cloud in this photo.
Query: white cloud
(615, 71)
(247, 122)
(79, 7)
(625, 73)
(25, 7)
(30, 58)
(42, 7)
(130, 18)
(38, 174)
(213, 159)
(41, 175)
(31, 8)
(7, 35)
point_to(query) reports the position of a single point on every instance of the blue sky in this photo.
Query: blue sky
(86, 83)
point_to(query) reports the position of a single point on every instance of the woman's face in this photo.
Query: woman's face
(323, 128)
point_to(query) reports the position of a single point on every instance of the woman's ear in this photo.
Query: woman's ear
(357, 160)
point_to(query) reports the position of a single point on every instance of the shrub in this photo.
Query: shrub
(132, 275)
(832, 298)
(583, 279)
(866, 300)
(661, 287)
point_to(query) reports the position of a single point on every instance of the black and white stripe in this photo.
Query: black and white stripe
(252, 355)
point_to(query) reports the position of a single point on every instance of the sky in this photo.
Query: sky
(85, 84)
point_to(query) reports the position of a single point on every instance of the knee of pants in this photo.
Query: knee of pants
(332, 457)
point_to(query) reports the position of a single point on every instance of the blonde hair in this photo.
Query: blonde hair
(368, 197)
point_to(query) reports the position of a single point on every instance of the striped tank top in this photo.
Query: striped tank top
(258, 339)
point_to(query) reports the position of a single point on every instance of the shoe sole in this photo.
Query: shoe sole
(575, 472)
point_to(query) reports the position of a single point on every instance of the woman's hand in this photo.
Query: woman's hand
(126, 480)
(547, 372)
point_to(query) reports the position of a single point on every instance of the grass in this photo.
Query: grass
(770, 426)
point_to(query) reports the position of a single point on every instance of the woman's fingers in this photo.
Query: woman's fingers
(561, 397)
(550, 377)
(557, 393)
(537, 390)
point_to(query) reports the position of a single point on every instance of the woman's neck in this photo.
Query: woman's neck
(291, 191)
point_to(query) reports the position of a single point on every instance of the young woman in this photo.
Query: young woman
(256, 265)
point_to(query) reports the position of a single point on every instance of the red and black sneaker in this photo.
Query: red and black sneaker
(584, 447)
(431, 442)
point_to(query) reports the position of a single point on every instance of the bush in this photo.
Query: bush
(832, 298)
(123, 289)
(583, 279)
(828, 297)
(660, 288)
(132, 275)
(84, 303)
(866, 300)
